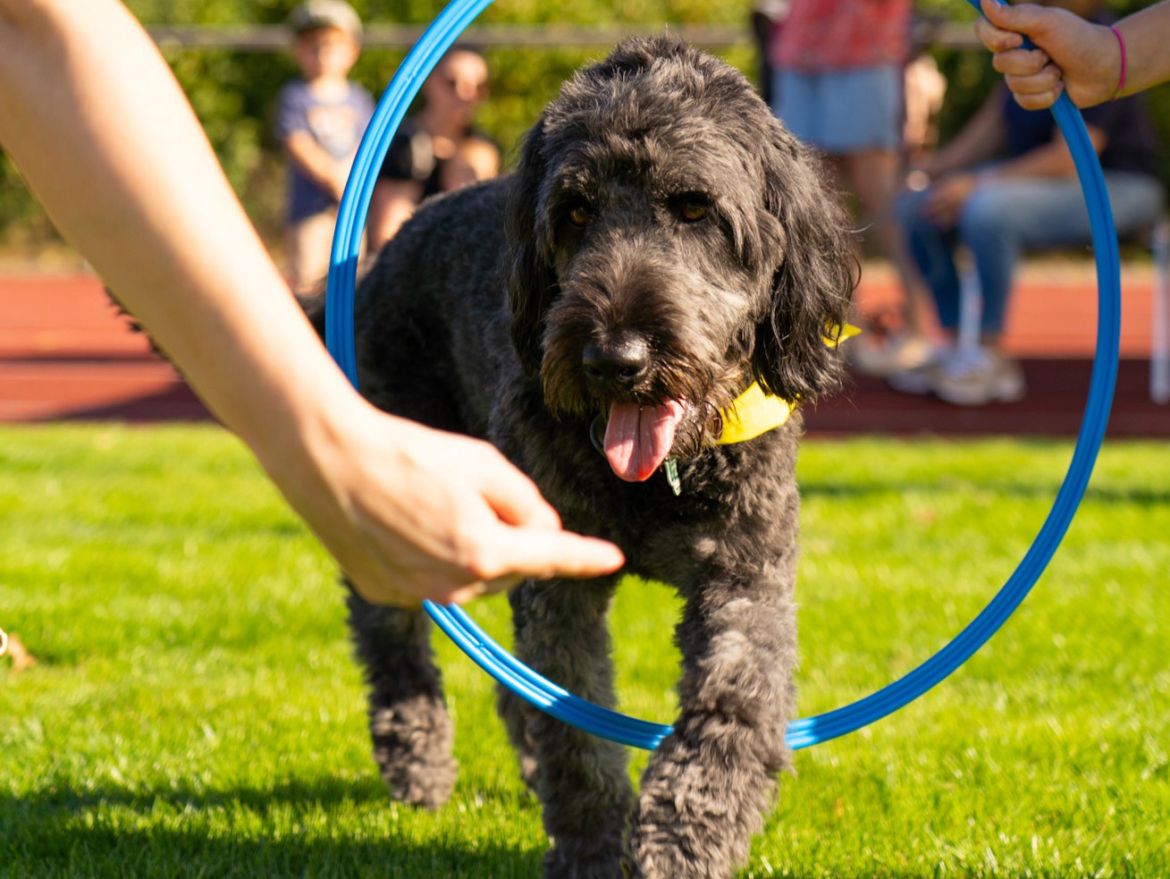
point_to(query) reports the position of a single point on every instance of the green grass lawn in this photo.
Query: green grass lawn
(195, 710)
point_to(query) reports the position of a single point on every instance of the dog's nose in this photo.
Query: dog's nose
(618, 366)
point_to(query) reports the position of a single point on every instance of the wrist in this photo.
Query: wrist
(1099, 82)
(310, 419)
(1122, 62)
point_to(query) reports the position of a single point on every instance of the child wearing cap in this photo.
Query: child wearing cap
(320, 119)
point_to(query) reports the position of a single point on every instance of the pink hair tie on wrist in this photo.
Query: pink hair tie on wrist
(1121, 79)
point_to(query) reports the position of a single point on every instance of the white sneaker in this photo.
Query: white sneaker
(900, 353)
(921, 378)
(978, 377)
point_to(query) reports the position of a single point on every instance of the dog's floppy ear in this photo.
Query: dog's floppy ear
(532, 283)
(808, 229)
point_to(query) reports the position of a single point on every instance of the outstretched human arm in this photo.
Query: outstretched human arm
(1073, 54)
(94, 119)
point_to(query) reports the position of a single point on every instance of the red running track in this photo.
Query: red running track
(67, 354)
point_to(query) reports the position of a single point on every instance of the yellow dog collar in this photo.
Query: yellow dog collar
(755, 412)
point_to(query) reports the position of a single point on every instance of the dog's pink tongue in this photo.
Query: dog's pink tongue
(638, 439)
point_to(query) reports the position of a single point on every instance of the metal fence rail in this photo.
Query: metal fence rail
(273, 38)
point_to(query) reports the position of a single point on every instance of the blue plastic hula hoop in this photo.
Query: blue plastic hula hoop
(547, 696)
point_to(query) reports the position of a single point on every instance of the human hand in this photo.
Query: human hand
(1071, 54)
(947, 196)
(412, 513)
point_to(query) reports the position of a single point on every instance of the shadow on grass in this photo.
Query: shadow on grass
(58, 795)
(245, 832)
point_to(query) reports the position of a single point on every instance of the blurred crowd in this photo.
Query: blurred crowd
(848, 78)
(953, 219)
(322, 115)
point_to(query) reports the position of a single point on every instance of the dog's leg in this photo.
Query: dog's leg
(711, 781)
(409, 724)
(581, 780)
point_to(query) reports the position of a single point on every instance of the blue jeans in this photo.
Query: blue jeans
(1003, 218)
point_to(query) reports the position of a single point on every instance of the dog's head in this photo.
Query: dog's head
(671, 243)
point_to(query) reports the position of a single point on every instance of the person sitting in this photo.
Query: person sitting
(426, 142)
(1005, 184)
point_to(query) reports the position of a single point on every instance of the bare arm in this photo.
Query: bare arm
(317, 164)
(1073, 54)
(1053, 159)
(976, 142)
(393, 204)
(93, 118)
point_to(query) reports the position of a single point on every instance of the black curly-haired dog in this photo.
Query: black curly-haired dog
(663, 245)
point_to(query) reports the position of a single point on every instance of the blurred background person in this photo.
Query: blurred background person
(415, 163)
(901, 335)
(839, 85)
(320, 119)
(1006, 183)
(925, 90)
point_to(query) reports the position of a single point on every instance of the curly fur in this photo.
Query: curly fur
(476, 319)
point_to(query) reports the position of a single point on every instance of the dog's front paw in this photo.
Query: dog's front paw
(412, 747)
(665, 858)
(686, 828)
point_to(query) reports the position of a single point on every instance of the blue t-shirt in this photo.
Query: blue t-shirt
(336, 124)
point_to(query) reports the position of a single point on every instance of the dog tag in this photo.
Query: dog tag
(670, 466)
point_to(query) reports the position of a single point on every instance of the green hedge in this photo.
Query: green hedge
(233, 92)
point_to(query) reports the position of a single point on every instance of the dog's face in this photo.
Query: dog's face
(670, 244)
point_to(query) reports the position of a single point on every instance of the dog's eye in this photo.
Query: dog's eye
(580, 215)
(692, 209)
